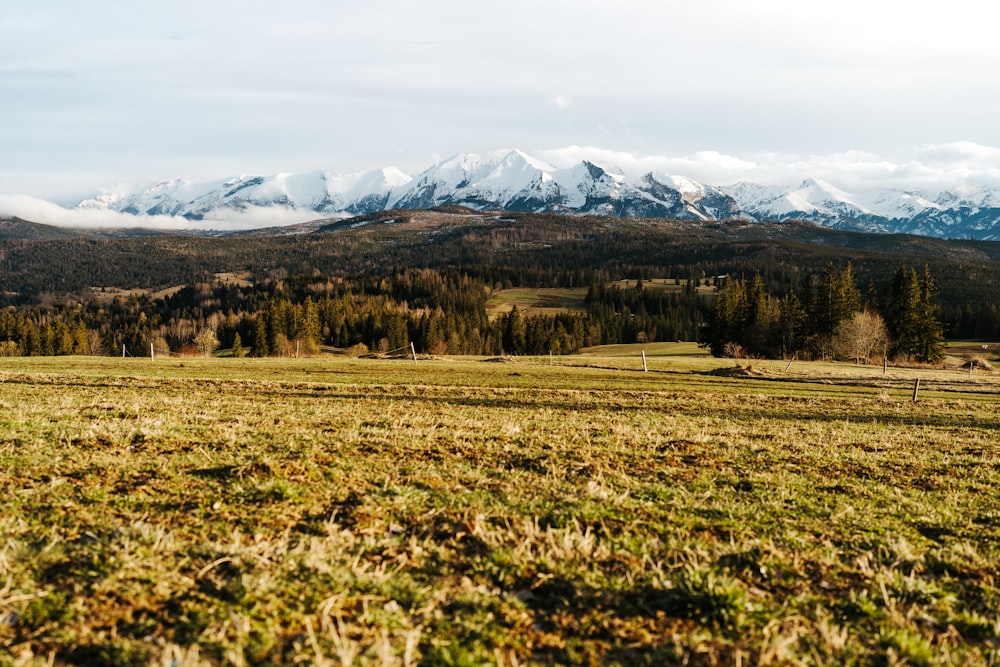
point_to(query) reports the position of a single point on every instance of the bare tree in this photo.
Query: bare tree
(95, 344)
(206, 341)
(860, 337)
(160, 346)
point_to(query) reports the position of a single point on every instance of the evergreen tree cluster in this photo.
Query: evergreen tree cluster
(439, 312)
(40, 334)
(444, 311)
(811, 321)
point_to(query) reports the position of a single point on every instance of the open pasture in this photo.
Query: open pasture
(457, 512)
(541, 301)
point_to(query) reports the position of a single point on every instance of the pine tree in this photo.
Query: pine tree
(261, 346)
(80, 342)
(836, 298)
(396, 332)
(901, 310)
(912, 316)
(514, 340)
(756, 336)
(931, 345)
(237, 345)
(791, 324)
(309, 329)
(728, 318)
(848, 298)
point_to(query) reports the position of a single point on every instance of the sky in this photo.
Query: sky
(103, 94)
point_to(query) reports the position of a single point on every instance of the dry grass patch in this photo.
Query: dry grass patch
(386, 512)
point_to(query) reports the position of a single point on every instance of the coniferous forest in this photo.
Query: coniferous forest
(775, 290)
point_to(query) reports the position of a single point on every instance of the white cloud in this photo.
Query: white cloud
(561, 102)
(41, 211)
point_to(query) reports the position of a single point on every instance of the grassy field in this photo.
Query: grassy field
(542, 301)
(463, 512)
(555, 300)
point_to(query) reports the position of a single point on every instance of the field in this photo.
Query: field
(466, 512)
(555, 300)
(541, 301)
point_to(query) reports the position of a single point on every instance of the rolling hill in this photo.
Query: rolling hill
(534, 250)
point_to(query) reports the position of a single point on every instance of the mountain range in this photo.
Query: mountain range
(515, 181)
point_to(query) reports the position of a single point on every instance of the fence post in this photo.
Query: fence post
(916, 388)
(644, 369)
(414, 351)
(790, 362)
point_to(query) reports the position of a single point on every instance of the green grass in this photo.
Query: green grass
(338, 511)
(541, 301)
(555, 300)
(975, 350)
(635, 350)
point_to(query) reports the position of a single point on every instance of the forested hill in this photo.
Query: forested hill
(16, 228)
(526, 250)
(535, 250)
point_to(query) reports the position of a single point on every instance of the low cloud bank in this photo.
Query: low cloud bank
(39, 210)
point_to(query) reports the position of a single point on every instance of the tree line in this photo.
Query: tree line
(827, 316)
(438, 312)
(445, 312)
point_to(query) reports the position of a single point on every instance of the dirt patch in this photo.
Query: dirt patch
(739, 372)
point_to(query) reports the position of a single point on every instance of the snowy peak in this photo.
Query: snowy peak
(691, 189)
(516, 181)
(819, 189)
(817, 196)
(970, 197)
(520, 160)
(315, 191)
(898, 204)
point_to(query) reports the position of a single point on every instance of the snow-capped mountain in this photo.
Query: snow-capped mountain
(813, 200)
(315, 191)
(515, 181)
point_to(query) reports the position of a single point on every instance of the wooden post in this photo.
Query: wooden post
(123, 350)
(885, 366)
(916, 388)
(414, 351)
(644, 369)
(152, 353)
(550, 357)
(790, 362)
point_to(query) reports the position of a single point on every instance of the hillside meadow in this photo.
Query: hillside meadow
(567, 510)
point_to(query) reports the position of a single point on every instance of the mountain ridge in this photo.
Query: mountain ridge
(516, 181)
